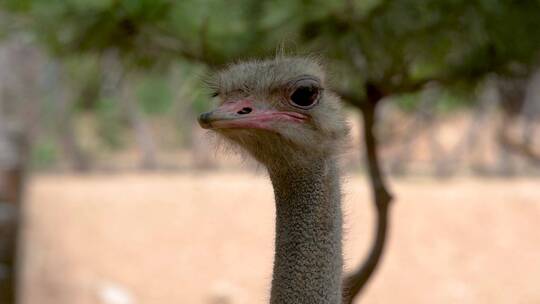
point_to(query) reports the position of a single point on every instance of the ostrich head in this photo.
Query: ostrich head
(280, 111)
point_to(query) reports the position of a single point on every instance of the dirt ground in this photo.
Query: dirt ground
(208, 238)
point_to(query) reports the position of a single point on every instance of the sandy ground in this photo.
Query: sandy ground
(208, 238)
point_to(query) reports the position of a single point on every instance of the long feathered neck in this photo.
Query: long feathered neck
(308, 259)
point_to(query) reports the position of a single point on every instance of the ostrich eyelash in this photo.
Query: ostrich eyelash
(215, 94)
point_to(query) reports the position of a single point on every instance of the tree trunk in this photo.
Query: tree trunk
(114, 84)
(423, 118)
(356, 281)
(12, 176)
(66, 129)
(21, 68)
(143, 133)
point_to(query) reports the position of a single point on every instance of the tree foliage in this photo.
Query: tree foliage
(396, 45)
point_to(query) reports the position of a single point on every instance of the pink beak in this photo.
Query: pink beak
(243, 115)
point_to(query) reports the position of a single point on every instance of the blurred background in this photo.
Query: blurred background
(111, 193)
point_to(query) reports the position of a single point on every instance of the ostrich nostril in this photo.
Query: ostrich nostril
(245, 110)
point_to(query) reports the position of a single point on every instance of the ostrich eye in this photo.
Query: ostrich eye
(305, 95)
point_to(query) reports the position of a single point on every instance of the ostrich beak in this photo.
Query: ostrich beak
(244, 115)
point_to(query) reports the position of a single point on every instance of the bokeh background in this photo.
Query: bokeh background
(110, 193)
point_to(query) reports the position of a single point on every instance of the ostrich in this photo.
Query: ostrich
(282, 114)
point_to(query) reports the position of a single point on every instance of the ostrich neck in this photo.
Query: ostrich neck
(308, 260)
